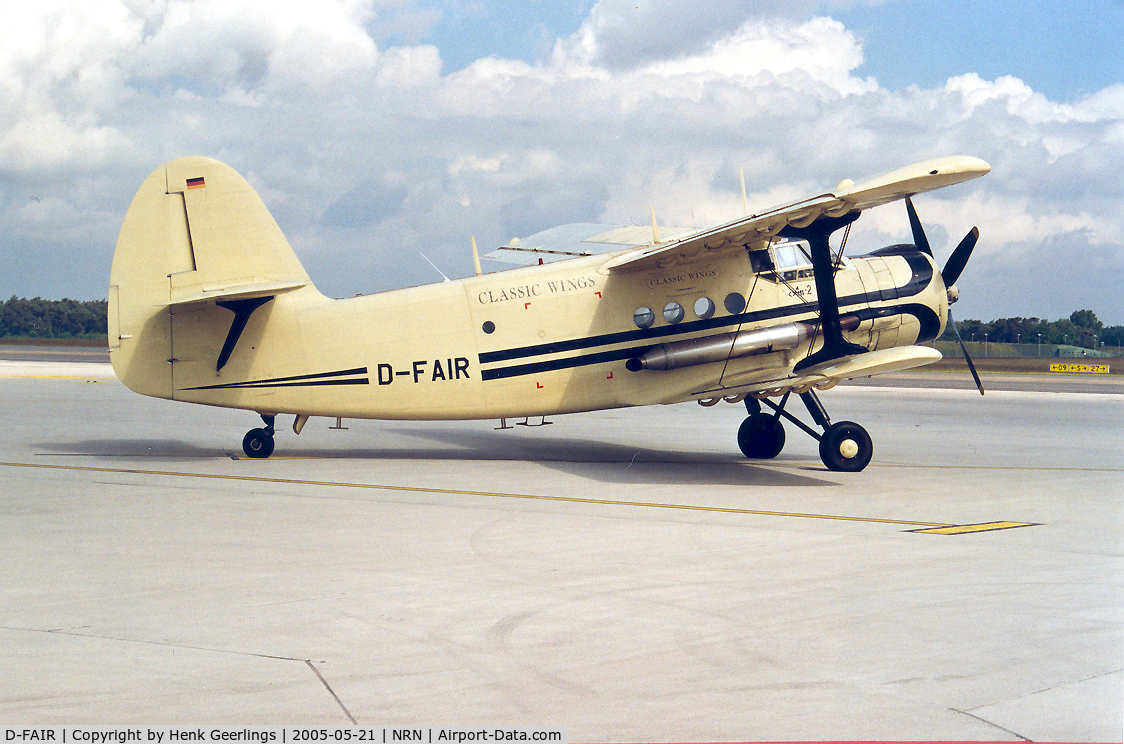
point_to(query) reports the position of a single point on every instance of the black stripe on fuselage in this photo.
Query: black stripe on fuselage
(929, 321)
(313, 380)
(922, 276)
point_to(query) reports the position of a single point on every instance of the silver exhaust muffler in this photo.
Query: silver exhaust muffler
(709, 349)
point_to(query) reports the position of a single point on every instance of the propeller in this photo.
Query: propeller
(968, 359)
(959, 257)
(950, 273)
(919, 238)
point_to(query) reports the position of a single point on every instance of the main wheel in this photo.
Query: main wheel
(257, 443)
(761, 437)
(846, 447)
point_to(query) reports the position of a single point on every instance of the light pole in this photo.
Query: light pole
(985, 344)
(1039, 344)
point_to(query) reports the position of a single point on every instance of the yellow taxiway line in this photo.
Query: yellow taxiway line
(930, 527)
(66, 378)
(962, 529)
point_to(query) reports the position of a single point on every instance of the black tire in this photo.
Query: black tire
(846, 447)
(761, 437)
(257, 443)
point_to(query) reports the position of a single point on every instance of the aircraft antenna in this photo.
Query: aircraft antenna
(655, 230)
(745, 201)
(476, 257)
(439, 271)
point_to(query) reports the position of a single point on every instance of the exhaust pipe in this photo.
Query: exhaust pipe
(724, 346)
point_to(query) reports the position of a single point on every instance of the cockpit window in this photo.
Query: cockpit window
(784, 261)
(761, 261)
(791, 255)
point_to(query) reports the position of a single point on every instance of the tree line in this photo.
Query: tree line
(1081, 328)
(39, 318)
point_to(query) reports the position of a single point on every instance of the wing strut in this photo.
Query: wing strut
(817, 234)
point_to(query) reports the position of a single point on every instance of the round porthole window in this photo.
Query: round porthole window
(673, 312)
(488, 327)
(704, 307)
(735, 303)
(643, 317)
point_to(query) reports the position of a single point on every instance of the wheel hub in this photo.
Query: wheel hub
(849, 448)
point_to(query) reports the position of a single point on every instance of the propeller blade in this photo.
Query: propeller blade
(959, 257)
(919, 238)
(951, 272)
(964, 349)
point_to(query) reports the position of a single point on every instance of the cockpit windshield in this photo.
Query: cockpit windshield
(783, 261)
(791, 255)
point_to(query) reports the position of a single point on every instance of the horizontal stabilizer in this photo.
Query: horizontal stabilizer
(235, 292)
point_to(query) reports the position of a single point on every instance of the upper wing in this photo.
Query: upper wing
(757, 230)
(583, 239)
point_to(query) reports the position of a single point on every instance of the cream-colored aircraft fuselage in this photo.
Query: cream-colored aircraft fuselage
(209, 304)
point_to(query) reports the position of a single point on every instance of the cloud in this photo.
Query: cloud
(60, 77)
(404, 20)
(368, 203)
(48, 141)
(821, 48)
(365, 152)
(624, 34)
(246, 43)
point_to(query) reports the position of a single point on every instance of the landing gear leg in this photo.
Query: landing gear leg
(844, 446)
(258, 443)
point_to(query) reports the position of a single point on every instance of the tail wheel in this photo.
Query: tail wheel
(258, 443)
(846, 447)
(761, 437)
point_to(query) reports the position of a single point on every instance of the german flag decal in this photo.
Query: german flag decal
(196, 183)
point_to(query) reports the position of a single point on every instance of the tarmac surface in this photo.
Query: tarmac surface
(626, 574)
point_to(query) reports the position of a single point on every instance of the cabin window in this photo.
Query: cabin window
(673, 312)
(704, 308)
(643, 317)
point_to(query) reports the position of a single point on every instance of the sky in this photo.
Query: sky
(379, 130)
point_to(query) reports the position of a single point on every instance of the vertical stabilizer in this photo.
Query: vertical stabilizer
(195, 234)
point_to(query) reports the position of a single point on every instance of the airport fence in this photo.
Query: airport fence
(985, 350)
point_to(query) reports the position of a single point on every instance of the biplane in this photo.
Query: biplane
(209, 304)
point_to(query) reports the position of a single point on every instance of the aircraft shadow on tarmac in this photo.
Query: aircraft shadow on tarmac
(617, 463)
(131, 449)
(599, 461)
